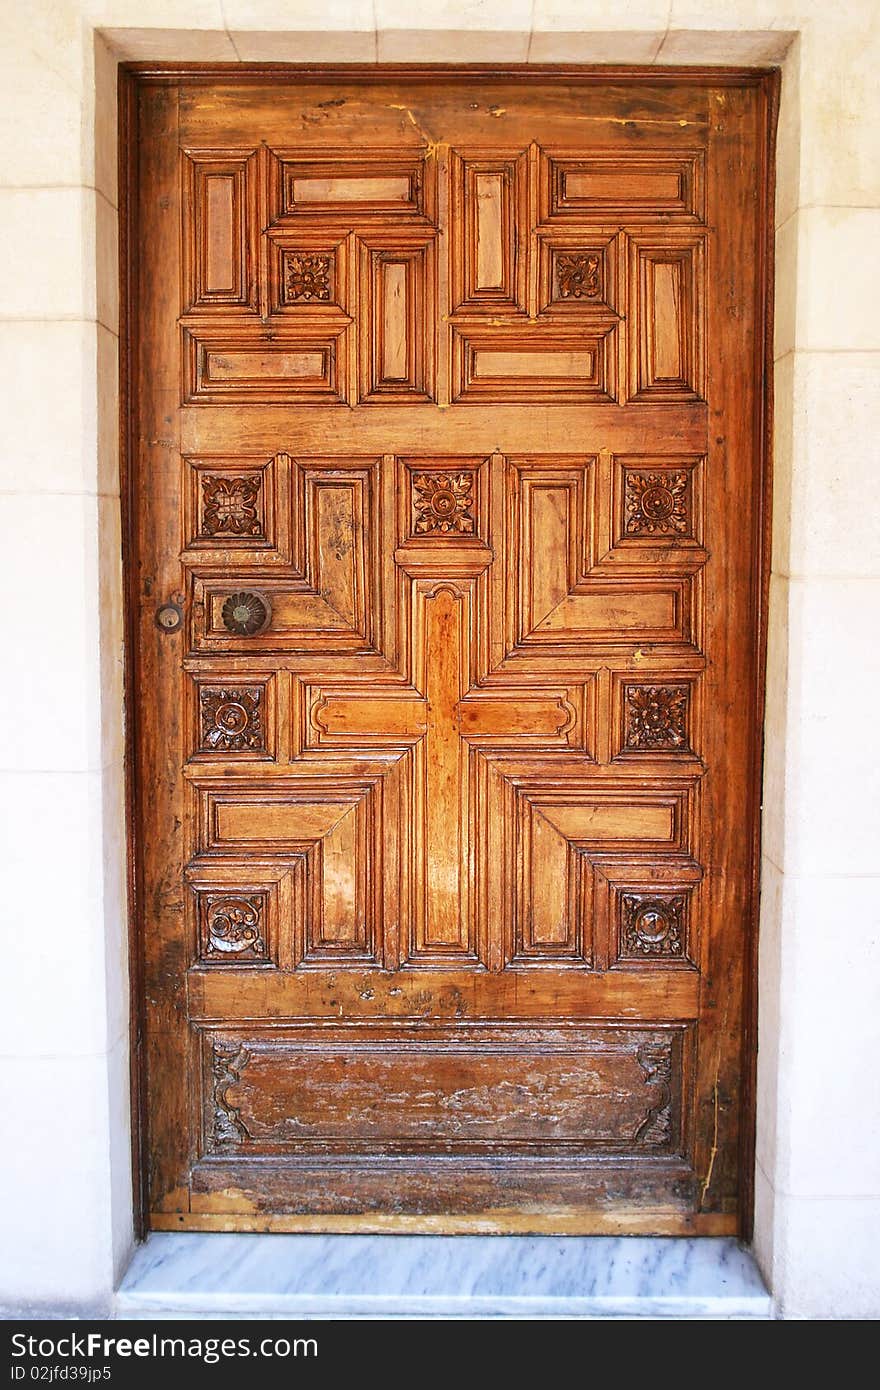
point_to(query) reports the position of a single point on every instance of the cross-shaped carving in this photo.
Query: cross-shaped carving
(439, 715)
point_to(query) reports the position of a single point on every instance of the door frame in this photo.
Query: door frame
(130, 77)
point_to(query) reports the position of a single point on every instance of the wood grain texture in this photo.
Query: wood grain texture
(443, 866)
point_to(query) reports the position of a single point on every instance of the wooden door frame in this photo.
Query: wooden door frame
(132, 75)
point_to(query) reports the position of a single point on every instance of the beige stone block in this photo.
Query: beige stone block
(608, 47)
(100, 130)
(52, 31)
(770, 982)
(453, 16)
(838, 305)
(764, 1225)
(783, 426)
(56, 1167)
(114, 905)
(734, 15)
(49, 422)
(788, 136)
(48, 235)
(171, 45)
(107, 387)
(51, 835)
(452, 46)
(120, 1187)
(107, 267)
(832, 751)
(827, 1261)
(304, 47)
(40, 141)
(834, 498)
(593, 16)
(51, 631)
(786, 290)
(840, 115)
(311, 16)
(156, 14)
(751, 48)
(776, 761)
(105, 576)
(831, 1114)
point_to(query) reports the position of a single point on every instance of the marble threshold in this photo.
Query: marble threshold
(425, 1276)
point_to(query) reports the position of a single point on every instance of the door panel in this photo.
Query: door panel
(447, 448)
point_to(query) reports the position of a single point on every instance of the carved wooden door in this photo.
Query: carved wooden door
(445, 556)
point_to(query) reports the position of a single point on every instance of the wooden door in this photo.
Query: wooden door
(445, 518)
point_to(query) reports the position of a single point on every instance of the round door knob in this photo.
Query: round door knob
(246, 614)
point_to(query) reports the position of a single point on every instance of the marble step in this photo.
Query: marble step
(348, 1276)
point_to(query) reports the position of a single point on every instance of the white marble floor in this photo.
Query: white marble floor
(253, 1276)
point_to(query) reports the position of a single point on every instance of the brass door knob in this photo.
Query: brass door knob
(247, 614)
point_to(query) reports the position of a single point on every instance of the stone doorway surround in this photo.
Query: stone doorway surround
(65, 1054)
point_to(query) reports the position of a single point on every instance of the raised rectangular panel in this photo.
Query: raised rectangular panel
(263, 366)
(337, 523)
(490, 229)
(588, 821)
(342, 719)
(550, 364)
(340, 925)
(219, 213)
(639, 187)
(442, 891)
(352, 188)
(650, 188)
(295, 822)
(552, 522)
(346, 187)
(553, 920)
(551, 504)
(513, 365)
(577, 1089)
(490, 224)
(396, 320)
(524, 719)
(393, 302)
(614, 818)
(624, 611)
(667, 316)
(219, 229)
(279, 364)
(669, 355)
